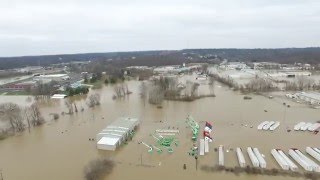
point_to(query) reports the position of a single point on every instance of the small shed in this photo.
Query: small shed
(58, 96)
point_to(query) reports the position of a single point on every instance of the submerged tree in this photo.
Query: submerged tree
(98, 169)
(35, 115)
(68, 103)
(93, 100)
(211, 85)
(121, 90)
(11, 113)
(156, 95)
(143, 92)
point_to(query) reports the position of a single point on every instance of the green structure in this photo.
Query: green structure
(165, 142)
(194, 127)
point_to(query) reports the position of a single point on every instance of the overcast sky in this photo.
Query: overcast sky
(37, 27)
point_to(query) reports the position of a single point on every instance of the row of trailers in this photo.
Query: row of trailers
(305, 162)
(255, 156)
(258, 161)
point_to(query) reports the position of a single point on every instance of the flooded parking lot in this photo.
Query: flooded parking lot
(60, 149)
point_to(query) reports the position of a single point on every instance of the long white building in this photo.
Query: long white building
(116, 133)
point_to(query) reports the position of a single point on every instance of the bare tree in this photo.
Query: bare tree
(55, 116)
(35, 115)
(12, 113)
(205, 68)
(194, 90)
(211, 84)
(301, 82)
(93, 100)
(156, 95)
(75, 107)
(121, 90)
(143, 92)
(259, 85)
(27, 116)
(97, 169)
(68, 103)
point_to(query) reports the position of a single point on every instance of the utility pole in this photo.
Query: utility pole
(284, 114)
(196, 158)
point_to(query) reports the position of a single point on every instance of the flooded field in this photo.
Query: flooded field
(60, 149)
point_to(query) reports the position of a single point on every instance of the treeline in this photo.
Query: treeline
(160, 58)
(168, 88)
(282, 55)
(302, 83)
(46, 60)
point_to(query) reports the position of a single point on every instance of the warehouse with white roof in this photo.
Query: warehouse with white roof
(116, 133)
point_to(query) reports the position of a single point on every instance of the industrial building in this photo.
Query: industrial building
(311, 97)
(51, 77)
(116, 133)
(19, 86)
(234, 66)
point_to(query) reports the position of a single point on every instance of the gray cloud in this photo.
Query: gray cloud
(72, 26)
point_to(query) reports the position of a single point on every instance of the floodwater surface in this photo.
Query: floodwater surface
(61, 149)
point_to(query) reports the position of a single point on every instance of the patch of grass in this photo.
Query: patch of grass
(18, 93)
(97, 84)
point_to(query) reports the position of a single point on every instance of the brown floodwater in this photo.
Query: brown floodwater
(60, 149)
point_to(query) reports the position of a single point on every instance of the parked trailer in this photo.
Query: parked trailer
(201, 153)
(242, 161)
(221, 156)
(206, 145)
(299, 160)
(292, 166)
(275, 126)
(267, 126)
(260, 126)
(261, 160)
(306, 126)
(298, 126)
(282, 163)
(317, 150)
(314, 127)
(313, 153)
(315, 166)
(253, 158)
